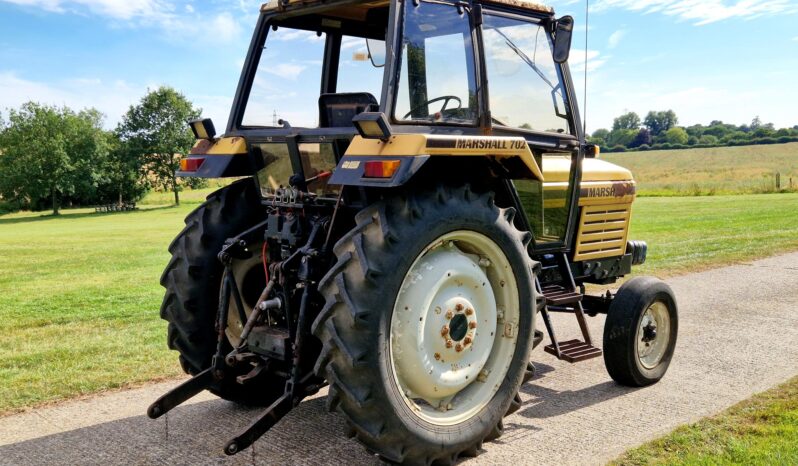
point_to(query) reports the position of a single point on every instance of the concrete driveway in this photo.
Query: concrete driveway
(738, 336)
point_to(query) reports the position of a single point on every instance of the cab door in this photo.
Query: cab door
(527, 96)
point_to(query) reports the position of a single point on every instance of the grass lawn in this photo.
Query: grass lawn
(760, 430)
(720, 170)
(79, 293)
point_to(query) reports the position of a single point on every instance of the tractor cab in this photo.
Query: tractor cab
(459, 73)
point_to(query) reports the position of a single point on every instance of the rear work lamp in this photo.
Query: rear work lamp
(372, 125)
(380, 168)
(203, 128)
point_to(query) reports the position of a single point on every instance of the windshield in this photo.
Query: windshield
(524, 83)
(289, 79)
(437, 82)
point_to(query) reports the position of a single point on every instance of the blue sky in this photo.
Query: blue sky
(709, 59)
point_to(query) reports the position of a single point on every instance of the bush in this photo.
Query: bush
(617, 149)
(644, 147)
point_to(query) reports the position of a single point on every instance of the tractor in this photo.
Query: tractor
(414, 196)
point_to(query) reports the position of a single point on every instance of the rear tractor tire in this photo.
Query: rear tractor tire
(427, 325)
(640, 332)
(193, 280)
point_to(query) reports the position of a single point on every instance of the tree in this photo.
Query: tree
(676, 135)
(621, 137)
(643, 138)
(660, 122)
(156, 132)
(50, 153)
(122, 178)
(708, 139)
(599, 137)
(629, 120)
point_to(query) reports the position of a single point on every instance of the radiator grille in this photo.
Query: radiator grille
(602, 231)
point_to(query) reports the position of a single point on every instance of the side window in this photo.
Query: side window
(546, 204)
(355, 71)
(524, 83)
(287, 80)
(437, 81)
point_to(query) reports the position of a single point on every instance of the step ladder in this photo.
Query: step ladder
(565, 297)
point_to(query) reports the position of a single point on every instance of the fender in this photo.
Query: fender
(218, 158)
(413, 150)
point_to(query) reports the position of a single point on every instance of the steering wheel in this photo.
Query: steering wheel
(445, 98)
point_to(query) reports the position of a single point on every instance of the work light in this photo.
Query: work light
(203, 128)
(372, 125)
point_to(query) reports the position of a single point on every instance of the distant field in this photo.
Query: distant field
(722, 170)
(79, 293)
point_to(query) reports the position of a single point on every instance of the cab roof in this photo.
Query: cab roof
(278, 5)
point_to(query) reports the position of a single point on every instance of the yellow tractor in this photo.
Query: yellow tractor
(416, 197)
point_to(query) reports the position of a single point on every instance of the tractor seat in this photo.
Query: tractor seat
(337, 110)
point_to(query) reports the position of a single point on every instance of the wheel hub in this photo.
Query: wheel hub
(439, 347)
(653, 335)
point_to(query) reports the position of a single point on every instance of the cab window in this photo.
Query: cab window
(524, 83)
(437, 81)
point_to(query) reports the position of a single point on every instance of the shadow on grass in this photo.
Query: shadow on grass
(70, 215)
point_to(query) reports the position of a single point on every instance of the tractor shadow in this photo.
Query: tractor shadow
(195, 434)
(547, 402)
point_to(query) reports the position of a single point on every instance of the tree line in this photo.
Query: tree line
(659, 130)
(52, 156)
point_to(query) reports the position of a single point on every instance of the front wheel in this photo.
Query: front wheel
(640, 332)
(428, 324)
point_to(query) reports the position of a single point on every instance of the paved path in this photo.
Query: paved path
(737, 336)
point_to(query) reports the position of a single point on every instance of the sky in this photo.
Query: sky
(707, 60)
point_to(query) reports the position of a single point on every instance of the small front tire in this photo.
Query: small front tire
(640, 332)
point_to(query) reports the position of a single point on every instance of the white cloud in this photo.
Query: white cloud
(595, 60)
(178, 21)
(111, 98)
(702, 12)
(795, 38)
(225, 27)
(286, 70)
(615, 38)
(117, 9)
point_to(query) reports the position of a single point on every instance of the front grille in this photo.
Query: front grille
(602, 231)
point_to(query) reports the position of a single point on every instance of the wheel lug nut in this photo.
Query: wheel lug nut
(445, 330)
(469, 311)
(458, 307)
(472, 325)
(467, 340)
(449, 343)
(449, 314)
(437, 356)
(458, 348)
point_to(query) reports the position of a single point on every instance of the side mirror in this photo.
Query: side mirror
(376, 49)
(563, 29)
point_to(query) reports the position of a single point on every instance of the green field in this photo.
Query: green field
(80, 294)
(761, 430)
(721, 170)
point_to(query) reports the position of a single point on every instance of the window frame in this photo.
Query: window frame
(396, 71)
(563, 78)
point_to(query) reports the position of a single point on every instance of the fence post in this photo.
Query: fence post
(778, 181)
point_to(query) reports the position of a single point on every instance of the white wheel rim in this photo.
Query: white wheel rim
(454, 327)
(653, 335)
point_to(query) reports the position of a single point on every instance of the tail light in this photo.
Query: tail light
(191, 164)
(380, 168)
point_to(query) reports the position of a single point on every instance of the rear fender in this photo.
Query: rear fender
(414, 150)
(219, 158)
